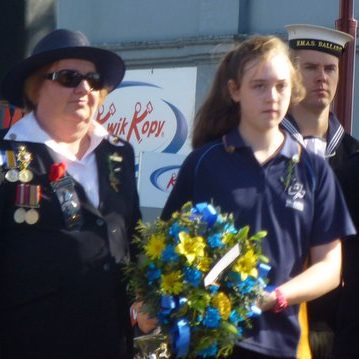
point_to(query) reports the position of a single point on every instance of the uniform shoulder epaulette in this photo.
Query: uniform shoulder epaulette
(115, 140)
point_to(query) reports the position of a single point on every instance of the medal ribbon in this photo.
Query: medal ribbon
(11, 159)
(2, 158)
(28, 195)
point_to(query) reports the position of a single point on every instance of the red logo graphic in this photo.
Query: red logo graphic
(137, 128)
(172, 180)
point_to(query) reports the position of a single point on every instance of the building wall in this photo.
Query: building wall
(166, 33)
(154, 33)
(154, 20)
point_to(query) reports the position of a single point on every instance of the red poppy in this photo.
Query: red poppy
(57, 171)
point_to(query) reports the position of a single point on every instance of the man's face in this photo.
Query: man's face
(320, 72)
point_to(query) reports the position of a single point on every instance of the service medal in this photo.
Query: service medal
(31, 216)
(19, 215)
(12, 175)
(25, 176)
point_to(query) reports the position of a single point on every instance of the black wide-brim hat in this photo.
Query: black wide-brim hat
(62, 44)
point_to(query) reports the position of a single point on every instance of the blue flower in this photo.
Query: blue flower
(153, 273)
(213, 289)
(175, 229)
(234, 278)
(229, 228)
(193, 276)
(169, 254)
(209, 351)
(199, 318)
(212, 318)
(235, 317)
(247, 285)
(215, 241)
(220, 219)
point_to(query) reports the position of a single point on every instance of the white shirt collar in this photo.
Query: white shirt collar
(28, 129)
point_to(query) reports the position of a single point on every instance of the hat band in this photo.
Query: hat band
(318, 45)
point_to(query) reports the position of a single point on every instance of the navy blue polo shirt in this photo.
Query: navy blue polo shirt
(309, 212)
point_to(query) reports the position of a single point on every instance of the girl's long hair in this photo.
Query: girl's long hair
(219, 113)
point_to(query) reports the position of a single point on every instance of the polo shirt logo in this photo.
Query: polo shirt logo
(297, 193)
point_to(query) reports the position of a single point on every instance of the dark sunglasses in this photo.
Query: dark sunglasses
(72, 78)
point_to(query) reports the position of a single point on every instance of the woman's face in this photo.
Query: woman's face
(264, 93)
(64, 111)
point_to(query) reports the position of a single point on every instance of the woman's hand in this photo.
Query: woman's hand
(145, 323)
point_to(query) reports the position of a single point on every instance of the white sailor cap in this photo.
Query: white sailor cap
(312, 37)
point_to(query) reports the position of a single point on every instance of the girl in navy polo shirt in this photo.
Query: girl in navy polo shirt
(245, 164)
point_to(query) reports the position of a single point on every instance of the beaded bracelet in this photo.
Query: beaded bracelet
(281, 302)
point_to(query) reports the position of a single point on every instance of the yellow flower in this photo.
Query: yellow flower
(155, 246)
(190, 247)
(203, 264)
(172, 283)
(223, 304)
(246, 265)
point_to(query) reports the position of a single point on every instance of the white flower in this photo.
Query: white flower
(295, 158)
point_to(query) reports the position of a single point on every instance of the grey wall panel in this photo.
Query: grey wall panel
(147, 20)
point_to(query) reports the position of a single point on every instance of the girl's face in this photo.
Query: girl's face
(264, 93)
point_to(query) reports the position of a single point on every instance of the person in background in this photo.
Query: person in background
(68, 208)
(317, 51)
(346, 344)
(247, 165)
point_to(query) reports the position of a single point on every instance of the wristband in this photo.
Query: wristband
(281, 302)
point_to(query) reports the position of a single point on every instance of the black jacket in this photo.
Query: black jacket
(339, 308)
(346, 343)
(62, 291)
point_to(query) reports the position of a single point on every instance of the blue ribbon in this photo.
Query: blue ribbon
(180, 331)
(208, 213)
(181, 335)
(254, 311)
(167, 304)
(264, 270)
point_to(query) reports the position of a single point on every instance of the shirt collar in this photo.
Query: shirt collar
(28, 129)
(233, 140)
(334, 136)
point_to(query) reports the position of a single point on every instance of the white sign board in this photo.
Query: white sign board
(153, 109)
(157, 176)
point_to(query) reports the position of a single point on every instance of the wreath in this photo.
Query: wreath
(201, 277)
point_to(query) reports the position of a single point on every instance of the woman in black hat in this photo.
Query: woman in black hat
(68, 207)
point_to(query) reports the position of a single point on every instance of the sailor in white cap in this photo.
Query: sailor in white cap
(318, 51)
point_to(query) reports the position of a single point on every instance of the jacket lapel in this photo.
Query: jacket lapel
(42, 164)
(102, 160)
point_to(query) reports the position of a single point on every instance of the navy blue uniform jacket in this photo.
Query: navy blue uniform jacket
(62, 293)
